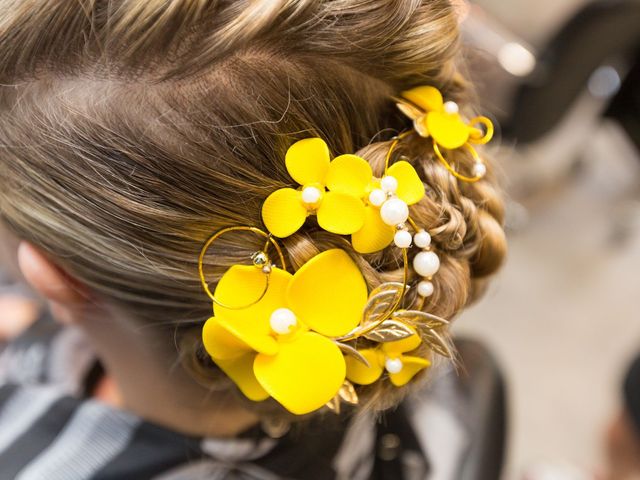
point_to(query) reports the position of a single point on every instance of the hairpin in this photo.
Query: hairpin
(441, 121)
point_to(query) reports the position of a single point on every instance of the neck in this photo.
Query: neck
(148, 381)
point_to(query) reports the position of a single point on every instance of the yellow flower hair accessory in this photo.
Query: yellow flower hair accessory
(440, 120)
(328, 189)
(294, 340)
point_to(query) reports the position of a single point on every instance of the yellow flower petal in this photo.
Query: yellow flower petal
(241, 286)
(283, 212)
(447, 129)
(374, 235)
(410, 367)
(410, 187)
(359, 373)
(426, 97)
(240, 370)
(328, 293)
(397, 347)
(306, 373)
(349, 174)
(341, 213)
(219, 343)
(308, 161)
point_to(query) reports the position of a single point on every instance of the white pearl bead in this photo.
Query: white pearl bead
(311, 195)
(394, 211)
(377, 197)
(282, 320)
(402, 239)
(393, 365)
(426, 264)
(451, 107)
(425, 288)
(389, 184)
(479, 169)
(422, 239)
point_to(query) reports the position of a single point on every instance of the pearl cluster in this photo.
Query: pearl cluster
(395, 212)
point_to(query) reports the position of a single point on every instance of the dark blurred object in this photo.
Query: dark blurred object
(632, 394)
(531, 90)
(602, 33)
(626, 105)
(483, 386)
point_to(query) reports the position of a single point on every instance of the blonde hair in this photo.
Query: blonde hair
(132, 130)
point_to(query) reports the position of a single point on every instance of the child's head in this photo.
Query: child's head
(132, 130)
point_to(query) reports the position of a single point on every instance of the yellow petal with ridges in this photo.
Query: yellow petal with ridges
(306, 373)
(358, 372)
(407, 344)
(341, 213)
(308, 161)
(448, 129)
(283, 212)
(410, 187)
(241, 286)
(426, 97)
(328, 293)
(219, 343)
(349, 174)
(240, 370)
(410, 367)
(374, 235)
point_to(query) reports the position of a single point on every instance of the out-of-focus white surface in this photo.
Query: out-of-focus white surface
(562, 317)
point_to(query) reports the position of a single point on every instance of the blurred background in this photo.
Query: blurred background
(562, 79)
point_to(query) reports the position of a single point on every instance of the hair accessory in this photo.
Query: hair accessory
(297, 342)
(307, 338)
(440, 120)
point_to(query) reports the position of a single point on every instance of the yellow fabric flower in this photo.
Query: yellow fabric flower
(278, 347)
(401, 368)
(328, 189)
(438, 119)
(375, 234)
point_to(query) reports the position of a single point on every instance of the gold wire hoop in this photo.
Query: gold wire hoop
(241, 228)
(393, 146)
(453, 172)
(489, 130)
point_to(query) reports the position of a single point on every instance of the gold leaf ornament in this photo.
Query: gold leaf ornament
(390, 331)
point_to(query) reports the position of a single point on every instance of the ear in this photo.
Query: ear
(48, 279)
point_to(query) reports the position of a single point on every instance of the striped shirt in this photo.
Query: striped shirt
(49, 431)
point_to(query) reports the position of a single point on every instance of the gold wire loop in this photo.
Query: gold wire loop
(393, 146)
(448, 166)
(488, 130)
(260, 259)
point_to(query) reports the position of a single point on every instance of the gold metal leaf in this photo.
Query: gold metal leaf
(381, 301)
(437, 343)
(409, 110)
(348, 393)
(349, 350)
(389, 331)
(334, 404)
(420, 319)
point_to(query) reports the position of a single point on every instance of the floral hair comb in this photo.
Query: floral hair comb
(306, 338)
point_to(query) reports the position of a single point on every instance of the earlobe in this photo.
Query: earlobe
(47, 278)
